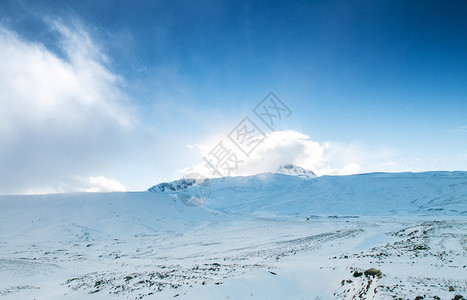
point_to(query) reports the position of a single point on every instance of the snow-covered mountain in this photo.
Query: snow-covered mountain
(173, 186)
(433, 193)
(294, 170)
(184, 183)
(268, 236)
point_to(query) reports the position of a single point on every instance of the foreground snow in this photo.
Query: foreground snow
(261, 237)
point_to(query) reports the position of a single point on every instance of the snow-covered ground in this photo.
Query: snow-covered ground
(269, 236)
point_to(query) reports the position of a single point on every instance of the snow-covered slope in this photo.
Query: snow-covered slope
(271, 236)
(173, 186)
(428, 193)
(294, 170)
(97, 215)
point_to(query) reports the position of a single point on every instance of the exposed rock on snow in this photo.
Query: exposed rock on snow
(294, 170)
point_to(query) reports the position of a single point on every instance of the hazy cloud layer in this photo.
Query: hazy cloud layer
(58, 117)
(67, 124)
(289, 146)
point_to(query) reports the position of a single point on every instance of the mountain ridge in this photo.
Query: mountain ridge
(432, 193)
(184, 183)
(294, 170)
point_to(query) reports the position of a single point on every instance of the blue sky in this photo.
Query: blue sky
(380, 85)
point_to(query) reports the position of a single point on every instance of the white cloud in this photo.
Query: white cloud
(57, 116)
(93, 184)
(351, 168)
(288, 146)
(101, 184)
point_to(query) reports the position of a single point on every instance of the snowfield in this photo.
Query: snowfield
(269, 236)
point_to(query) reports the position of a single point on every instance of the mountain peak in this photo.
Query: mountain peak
(173, 186)
(294, 170)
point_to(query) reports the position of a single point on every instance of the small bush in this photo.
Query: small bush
(357, 274)
(373, 272)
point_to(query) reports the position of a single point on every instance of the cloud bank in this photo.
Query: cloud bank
(59, 116)
(289, 146)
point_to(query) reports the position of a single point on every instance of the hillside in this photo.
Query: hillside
(269, 236)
